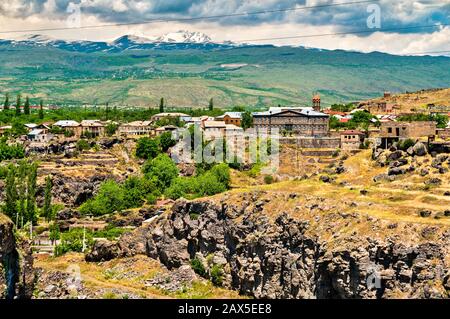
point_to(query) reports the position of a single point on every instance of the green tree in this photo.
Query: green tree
(147, 148)
(211, 104)
(26, 107)
(111, 129)
(41, 110)
(166, 141)
(161, 105)
(18, 104)
(55, 233)
(247, 120)
(10, 207)
(110, 198)
(31, 193)
(22, 191)
(6, 104)
(161, 170)
(47, 209)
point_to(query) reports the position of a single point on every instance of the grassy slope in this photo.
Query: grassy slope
(190, 78)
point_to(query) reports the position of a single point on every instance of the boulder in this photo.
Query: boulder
(420, 149)
(396, 171)
(103, 250)
(425, 213)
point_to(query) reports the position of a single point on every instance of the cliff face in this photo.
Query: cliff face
(286, 255)
(16, 264)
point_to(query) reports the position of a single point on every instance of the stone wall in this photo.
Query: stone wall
(312, 142)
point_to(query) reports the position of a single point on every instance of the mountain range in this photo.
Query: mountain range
(172, 41)
(188, 69)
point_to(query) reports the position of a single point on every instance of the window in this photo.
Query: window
(389, 129)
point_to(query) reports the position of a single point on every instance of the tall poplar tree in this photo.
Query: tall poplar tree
(26, 107)
(18, 102)
(41, 110)
(6, 104)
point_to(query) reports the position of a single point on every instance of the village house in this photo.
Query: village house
(196, 120)
(39, 136)
(233, 118)
(391, 132)
(294, 120)
(214, 129)
(161, 116)
(92, 128)
(136, 128)
(164, 129)
(352, 139)
(70, 126)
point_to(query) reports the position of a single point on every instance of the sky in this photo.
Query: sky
(381, 22)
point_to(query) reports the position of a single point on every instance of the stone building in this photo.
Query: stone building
(391, 132)
(92, 128)
(408, 129)
(136, 128)
(70, 126)
(352, 139)
(231, 118)
(293, 120)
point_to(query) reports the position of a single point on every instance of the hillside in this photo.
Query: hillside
(415, 101)
(189, 74)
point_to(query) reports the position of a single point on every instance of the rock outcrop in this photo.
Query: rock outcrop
(17, 276)
(282, 257)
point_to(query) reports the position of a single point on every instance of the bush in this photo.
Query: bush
(217, 275)
(110, 198)
(268, 179)
(161, 170)
(83, 145)
(72, 241)
(147, 148)
(222, 172)
(405, 144)
(210, 185)
(198, 267)
(151, 199)
(166, 141)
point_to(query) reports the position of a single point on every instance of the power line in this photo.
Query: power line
(195, 18)
(344, 33)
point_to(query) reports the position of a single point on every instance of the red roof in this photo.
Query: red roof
(344, 120)
(331, 112)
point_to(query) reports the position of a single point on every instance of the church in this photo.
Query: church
(298, 121)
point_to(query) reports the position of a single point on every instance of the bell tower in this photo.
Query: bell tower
(316, 102)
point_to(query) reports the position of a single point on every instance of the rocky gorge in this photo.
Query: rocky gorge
(17, 275)
(311, 251)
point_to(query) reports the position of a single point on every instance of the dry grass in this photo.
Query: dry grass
(128, 275)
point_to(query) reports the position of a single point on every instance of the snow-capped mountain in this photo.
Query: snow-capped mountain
(181, 40)
(184, 37)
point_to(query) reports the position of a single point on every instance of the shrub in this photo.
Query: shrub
(217, 275)
(405, 144)
(268, 179)
(147, 148)
(198, 267)
(161, 170)
(151, 199)
(83, 145)
(109, 199)
(210, 185)
(222, 172)
(72, 241)
(166, 141)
